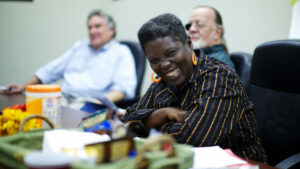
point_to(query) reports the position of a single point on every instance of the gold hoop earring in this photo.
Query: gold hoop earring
(156, 80)
(194, 59)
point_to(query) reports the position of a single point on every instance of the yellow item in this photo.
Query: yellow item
(44, 100)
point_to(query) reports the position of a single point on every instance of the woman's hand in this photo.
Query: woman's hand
(176, 115)
(121, 114)
(161, 116)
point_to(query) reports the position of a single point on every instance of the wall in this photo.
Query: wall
(33, 33)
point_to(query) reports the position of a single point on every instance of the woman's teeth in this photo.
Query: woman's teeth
(173, 73)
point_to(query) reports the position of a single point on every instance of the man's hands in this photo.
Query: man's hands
(114, 96)
(13, 89)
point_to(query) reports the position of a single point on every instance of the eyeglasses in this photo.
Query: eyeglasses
(188, 26)
(198, 25)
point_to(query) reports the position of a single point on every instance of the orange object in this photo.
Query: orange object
(44, 100)
(156, 80)
(43, 88)
(194, 59)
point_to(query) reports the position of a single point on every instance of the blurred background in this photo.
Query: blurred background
(33, 33)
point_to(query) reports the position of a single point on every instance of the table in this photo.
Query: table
(70, 117)
(261, 165)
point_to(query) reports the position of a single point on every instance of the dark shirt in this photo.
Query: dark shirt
(219, 52)
(218, 110)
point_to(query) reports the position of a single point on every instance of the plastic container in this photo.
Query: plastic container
(44, 100)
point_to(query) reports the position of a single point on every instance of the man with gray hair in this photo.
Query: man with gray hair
(94, 68)
(206, 31)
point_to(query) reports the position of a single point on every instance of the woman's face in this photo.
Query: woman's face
(170, 59)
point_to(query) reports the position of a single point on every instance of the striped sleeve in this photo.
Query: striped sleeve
(136, 113)
(143, 108)
(213, 111)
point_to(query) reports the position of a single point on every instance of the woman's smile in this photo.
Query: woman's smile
(173, 74)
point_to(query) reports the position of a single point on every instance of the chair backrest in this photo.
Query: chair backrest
(140, 63)
(275, 91)
(242, 64)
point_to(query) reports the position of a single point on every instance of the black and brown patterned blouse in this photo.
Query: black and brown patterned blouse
(218, 110)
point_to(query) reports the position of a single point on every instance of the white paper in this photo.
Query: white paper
(214, 157)
(58, 140)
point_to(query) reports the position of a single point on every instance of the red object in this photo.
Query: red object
(167, 147)
(16, 106)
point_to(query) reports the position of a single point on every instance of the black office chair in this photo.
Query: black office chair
(275, 91)
(242, 64)
(140, 65)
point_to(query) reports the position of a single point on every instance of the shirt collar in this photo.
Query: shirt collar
(213, 49)
(105, 46)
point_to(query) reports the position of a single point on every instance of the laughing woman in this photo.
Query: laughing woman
(194, 98)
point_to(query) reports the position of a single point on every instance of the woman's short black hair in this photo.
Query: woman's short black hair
(162, 26)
